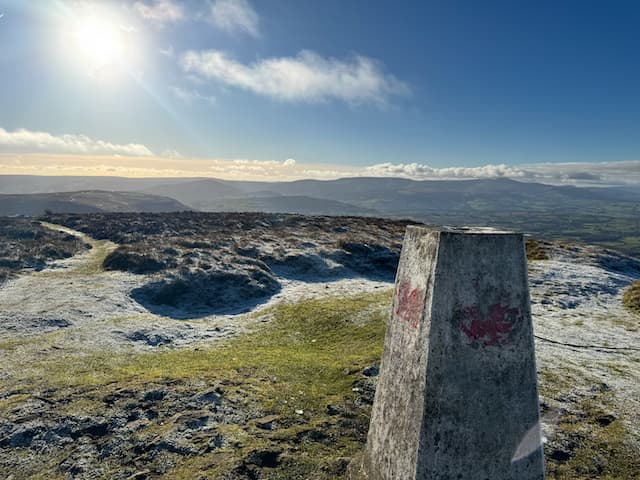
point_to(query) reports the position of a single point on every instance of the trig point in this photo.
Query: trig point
(457, 397)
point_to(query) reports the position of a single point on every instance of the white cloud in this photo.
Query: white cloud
(191, 96)
(27, 140)
(168, 52)
(419, 171)
(307, 77)
(235, 16)
(577, 173)
(172, 164)
(160, 12)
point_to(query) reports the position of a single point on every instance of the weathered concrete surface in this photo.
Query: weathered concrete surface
(457, 395)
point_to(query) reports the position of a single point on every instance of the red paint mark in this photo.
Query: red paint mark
(410, 303)
(493, 329)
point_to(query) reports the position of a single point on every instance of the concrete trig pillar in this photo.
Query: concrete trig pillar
(457, 396)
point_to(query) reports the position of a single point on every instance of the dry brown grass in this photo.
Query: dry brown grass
(631, 297)
(535, 250)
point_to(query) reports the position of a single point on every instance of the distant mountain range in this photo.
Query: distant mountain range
(352, 196)
(608, 216)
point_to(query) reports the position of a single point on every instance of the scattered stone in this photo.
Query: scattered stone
(151, 338)
(266, 423)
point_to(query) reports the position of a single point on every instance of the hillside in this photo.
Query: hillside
(396, 196)
(608, 216)
(87, 201)
(113, 371)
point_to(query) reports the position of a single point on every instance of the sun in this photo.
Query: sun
(99, 43)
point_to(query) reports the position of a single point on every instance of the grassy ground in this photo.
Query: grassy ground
(590, 440)
(307, 359)
(298, 373)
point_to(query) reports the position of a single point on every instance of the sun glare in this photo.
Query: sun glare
(99, 43)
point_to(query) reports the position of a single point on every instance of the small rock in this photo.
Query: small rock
(371, 371)
(333, 410)
(266, 423)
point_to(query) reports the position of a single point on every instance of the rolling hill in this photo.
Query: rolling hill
(89, 201)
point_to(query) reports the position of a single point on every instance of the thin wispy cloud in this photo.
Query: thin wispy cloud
(168, 52)
(30, 141)
(307, 77)
(235, 16)
(160, 12)
(190, 97)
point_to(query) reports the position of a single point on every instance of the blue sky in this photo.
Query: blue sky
(414, 87)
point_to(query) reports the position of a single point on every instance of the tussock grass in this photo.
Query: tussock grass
(535, 250)
(631, 297)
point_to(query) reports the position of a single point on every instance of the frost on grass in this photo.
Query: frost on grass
(96, 383)
(207, 263)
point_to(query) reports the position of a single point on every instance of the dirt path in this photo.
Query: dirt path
(85, 263)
